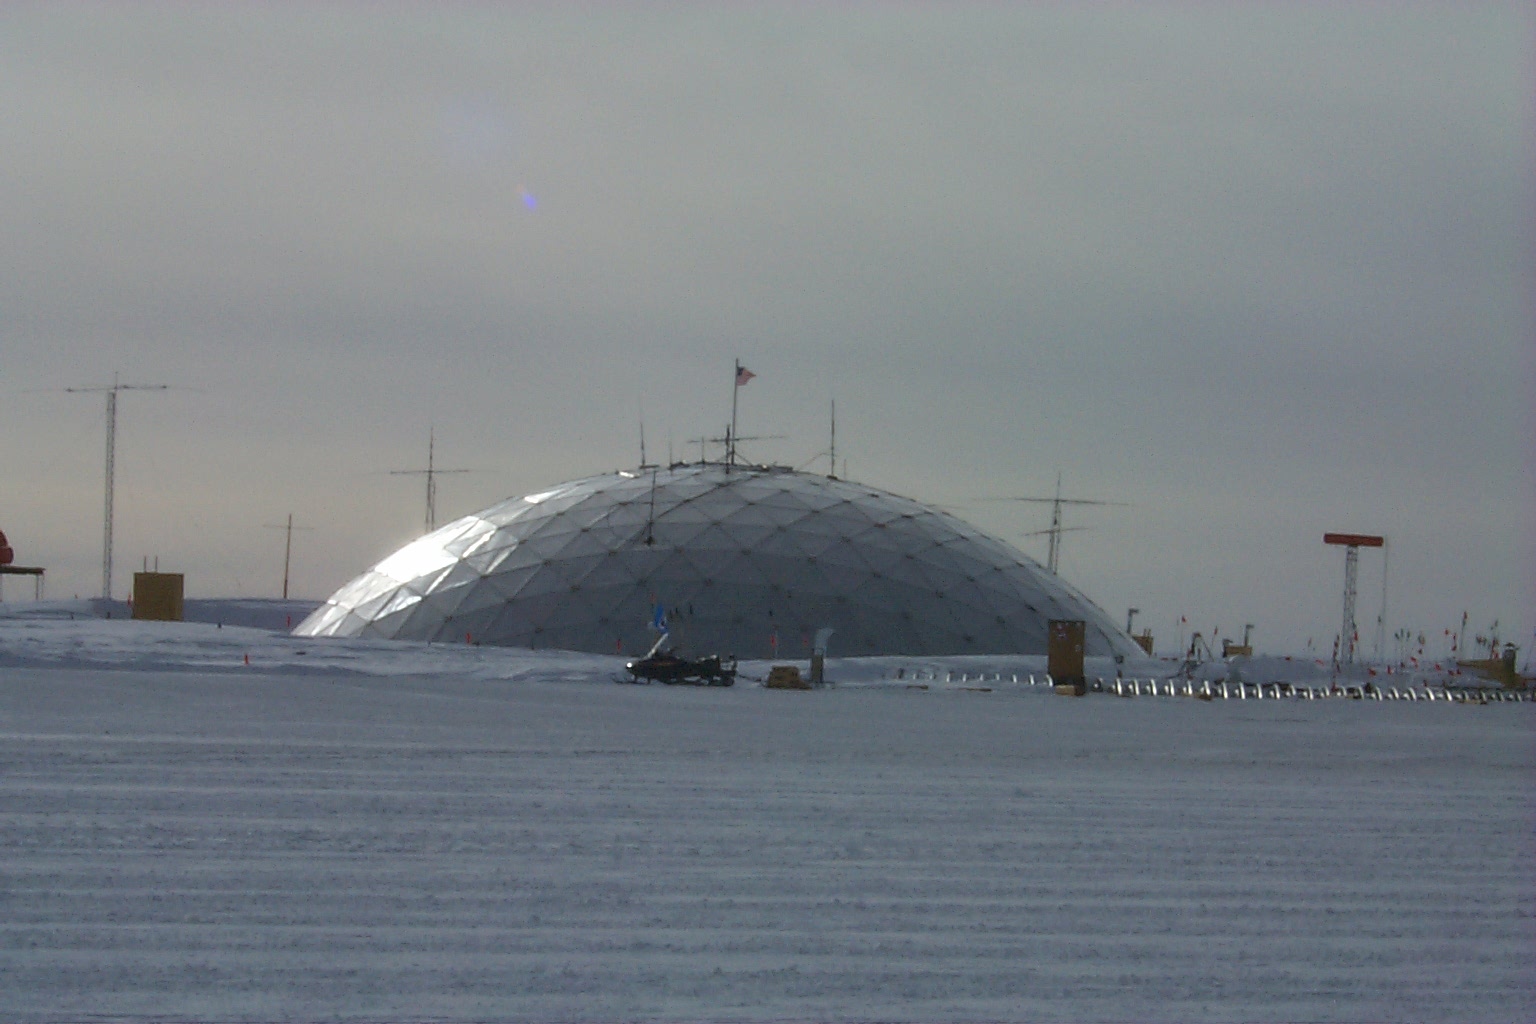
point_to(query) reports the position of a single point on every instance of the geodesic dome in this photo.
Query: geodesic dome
(749, 560)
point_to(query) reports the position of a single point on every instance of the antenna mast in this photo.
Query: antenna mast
(1055, 527)
(106, 531)
(431, 473)
(730, 444)
(650, 517)
(1056, 530)
(832, 451)
(287, 547)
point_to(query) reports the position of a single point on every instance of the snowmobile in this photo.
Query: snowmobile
(660, 666)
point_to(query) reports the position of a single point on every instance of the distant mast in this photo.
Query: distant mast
(111, 474)
(1056, 530)
(832, 449)
(431, 473)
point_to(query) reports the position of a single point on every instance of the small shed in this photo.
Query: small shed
(157, 596)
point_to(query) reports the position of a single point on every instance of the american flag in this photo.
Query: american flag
(743, 375)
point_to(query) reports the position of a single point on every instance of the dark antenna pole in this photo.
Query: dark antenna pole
(1055, 525)
(106, 539)
(730, 444)
(643, 462)
(650, 519)
(832, 452)
(1057, 529)
(287, 548)
(431, 473)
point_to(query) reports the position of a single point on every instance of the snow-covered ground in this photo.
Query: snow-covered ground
(214, 821)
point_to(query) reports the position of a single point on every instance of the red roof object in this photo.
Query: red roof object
(1354, 540)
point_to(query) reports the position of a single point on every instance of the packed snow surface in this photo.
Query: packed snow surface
(370, 830)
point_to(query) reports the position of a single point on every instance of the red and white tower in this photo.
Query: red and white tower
(1352, 543)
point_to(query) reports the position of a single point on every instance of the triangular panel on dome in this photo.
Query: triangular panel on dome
(832, 523)
(402, 600)
(365, 588)
(461, 534)
(740, 570)
(479, 596)
(392, 622)
(584, 544)
(715, 540)
(677, 533)
(816, 497)
(371, 608)
(782, 507)
(544, 581)
(787, 543)
(517, 557)
(322, 620)
(678, 488)
(510, 582)
(575, 570)
(840, 580)
(416, 559)
(611, 570)
(459, 575)
(577, 611)
(508, 626)
(421, 621)
(488, 561)
(429, 581)
(883, 560)
(691, 513)
(486, 538)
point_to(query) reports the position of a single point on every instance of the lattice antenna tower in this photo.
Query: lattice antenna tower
(106, 529)
(1352, 543)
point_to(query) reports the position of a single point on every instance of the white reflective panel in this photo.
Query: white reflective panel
(474, 536)
(402, 600)
(365, 588)
(325, 618)
(543, 496)
(415, 559)
(371, 609)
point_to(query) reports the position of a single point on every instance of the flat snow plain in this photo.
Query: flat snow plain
(376, 831)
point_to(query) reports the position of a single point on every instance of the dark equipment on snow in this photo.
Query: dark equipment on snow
(672, 669)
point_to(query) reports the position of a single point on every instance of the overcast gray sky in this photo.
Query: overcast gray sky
(1259, 271)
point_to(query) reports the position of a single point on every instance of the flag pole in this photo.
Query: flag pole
(730, 438)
